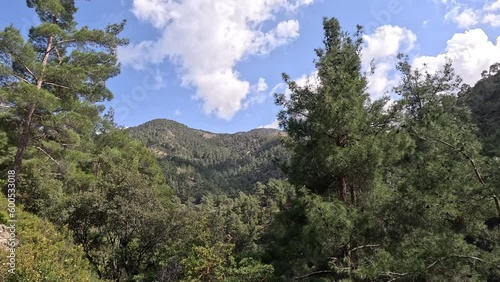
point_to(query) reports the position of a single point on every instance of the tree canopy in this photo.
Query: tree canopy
(402, 188)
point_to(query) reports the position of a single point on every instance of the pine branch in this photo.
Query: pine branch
(467, 156)
(471, 160)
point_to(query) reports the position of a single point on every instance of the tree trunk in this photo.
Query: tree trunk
(341, 142)
(25, 133)
(497, 204)
(354, 197)
(349, 261)
(23, 141)
(343, 189)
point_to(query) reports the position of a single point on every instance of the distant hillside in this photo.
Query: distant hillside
(484, 102)
(196, 162)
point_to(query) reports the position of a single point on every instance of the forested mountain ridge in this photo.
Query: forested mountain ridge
(484, 102)
(196, 162)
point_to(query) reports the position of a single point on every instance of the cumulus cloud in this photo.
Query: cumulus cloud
(387, 41)
(383, 46)
(206, 39)
(471, 53)
(467, 17)
(463, 17)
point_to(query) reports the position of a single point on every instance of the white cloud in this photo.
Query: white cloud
(463, 17)
(492, 19)
(386, 41)
(310, 80)
(492, 6)
(265, 42)
(275, 124)
(207, 38)
(261, 85)
(288, 29)
(467, 17)
(471, 53)
(383, 46)
(257, 94)
(153, 11)
(177, 112)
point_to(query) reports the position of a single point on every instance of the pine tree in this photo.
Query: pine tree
(339, 141)
(334, 148)
(53, 79)
(431, 217)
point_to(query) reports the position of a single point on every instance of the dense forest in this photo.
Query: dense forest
(352, 189)
(198, 162)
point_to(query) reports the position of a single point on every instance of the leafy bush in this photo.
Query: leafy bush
(43, 253)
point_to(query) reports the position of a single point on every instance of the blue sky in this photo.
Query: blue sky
(214, 64)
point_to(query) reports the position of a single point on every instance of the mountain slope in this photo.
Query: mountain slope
(484, 102)
(196, 162)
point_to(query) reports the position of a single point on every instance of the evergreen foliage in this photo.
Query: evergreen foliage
(401, 190)
(197, 162)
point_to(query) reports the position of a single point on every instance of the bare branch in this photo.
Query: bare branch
(65, 41)
(47, 154)
(469, 257)
(320, 272)
(434, 263)
(497, 204)
(30, 72)
(55, 84)
(456, 256)
(58, 54)
(394, 275)
(21, 78)
(363, 247)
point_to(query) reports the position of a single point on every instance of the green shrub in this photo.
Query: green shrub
(43, 252)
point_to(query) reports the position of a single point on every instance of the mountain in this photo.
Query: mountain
(196, 162)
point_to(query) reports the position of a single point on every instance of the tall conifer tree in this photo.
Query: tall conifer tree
(52, 81)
